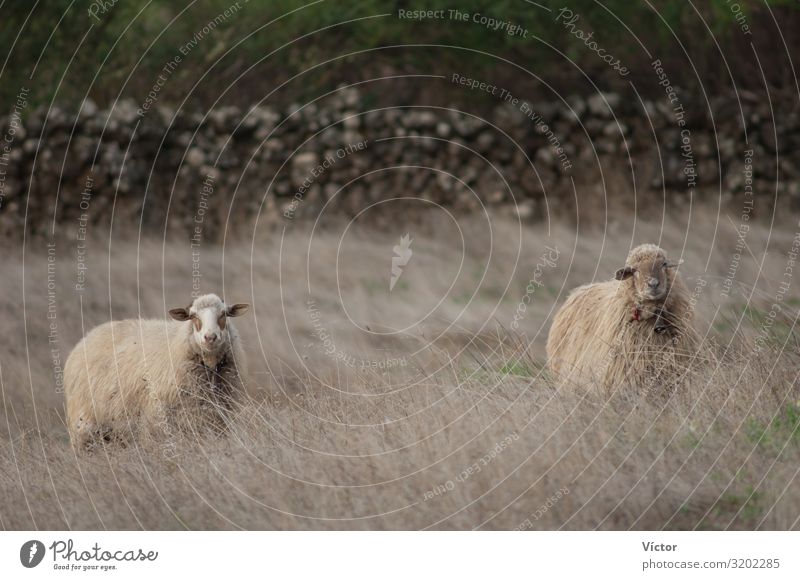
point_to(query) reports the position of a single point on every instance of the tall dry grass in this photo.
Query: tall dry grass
(438, 411)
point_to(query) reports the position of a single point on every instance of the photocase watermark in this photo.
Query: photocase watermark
(328, 345)
(508, 27)
(402, 255)
(196, 239)
(81, 246)
(548, 259)
(739, 15)
(167, 445)
(483, 86)
(568, 19)
(524, 107)
(95, 558)
(542, 509)
(31, 553)
(322, 334)
(53, 339)
(699, 286)
(11, 131)
(68, 557)
(317, 171)
(172, 65)
(472, 469)
(744, 226)
(689, 166)
(776, 308)
(381, 364)
(100, 7)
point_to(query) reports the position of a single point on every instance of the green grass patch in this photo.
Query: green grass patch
(746, 503)
(782, 429)
(519, 369)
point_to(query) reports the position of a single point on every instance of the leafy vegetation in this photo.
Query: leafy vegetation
(64, 52)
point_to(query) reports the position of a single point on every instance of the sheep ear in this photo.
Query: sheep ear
(674, 263)
(237, 309)
(179, 314)
(624, 273)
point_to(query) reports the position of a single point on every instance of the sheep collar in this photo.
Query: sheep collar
(212, 362)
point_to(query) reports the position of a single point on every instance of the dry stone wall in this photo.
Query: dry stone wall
(161, 168)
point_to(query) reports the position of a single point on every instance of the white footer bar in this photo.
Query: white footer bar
(355, 555)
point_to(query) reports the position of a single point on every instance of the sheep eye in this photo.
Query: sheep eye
(221, 322)
(197, 323)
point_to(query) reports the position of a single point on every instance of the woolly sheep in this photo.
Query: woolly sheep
(132, 376)
(635, 329)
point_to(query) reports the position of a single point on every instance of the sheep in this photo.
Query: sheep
(654, 276)
(636, 328)
(138, 376)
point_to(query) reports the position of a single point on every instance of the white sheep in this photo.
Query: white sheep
(635, 329)
(131, 376)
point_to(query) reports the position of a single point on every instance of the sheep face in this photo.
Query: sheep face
(208, 315)
(651, 272)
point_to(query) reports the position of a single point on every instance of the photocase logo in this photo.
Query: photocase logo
(31, 553)
(402, 255)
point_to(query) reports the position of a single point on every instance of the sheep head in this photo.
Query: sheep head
(209, 314)
(650, 272)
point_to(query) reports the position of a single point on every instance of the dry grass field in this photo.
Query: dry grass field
(425, 407)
